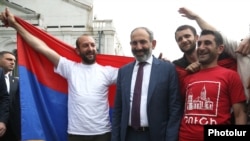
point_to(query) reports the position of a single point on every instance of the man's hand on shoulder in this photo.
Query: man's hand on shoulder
(162, 58)
(194, 67)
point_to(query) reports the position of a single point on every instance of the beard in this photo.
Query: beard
(144, 57)
(88, 60)
(207, 59)
(191, 49)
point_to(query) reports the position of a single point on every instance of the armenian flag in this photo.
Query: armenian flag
(43, 93)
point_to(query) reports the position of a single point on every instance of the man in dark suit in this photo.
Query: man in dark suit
(160, 104)
(4, 104)
(7, 62)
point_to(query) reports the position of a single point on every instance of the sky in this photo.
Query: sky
(162, 17)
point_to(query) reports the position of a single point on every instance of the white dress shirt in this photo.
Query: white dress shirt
(144, 92)
(7, 82)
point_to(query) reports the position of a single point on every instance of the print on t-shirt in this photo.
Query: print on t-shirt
(201, 105)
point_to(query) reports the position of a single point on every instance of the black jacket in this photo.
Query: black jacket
(4, 99)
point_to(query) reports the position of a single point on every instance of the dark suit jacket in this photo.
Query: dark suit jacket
(4, 99)
(14, 125)
(164, 107)
(13, 132)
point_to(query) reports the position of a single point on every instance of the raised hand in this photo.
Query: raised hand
(187, 13)
(7, 18)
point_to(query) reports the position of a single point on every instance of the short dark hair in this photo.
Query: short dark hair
(184, 27)
(5, 52)
(217, 36)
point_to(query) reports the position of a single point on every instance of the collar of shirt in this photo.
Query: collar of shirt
(149, 61)
(7, 82)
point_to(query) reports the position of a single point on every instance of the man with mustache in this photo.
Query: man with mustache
(236, 55)
(212, 92)
(159, 106)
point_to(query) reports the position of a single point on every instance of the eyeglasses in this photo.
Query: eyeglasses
(134, 43)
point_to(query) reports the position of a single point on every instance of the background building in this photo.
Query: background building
(65, 20)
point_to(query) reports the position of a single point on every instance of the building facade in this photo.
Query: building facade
(64, 19)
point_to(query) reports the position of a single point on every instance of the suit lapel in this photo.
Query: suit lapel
(12, 84)
(128, 79)
(153, 78)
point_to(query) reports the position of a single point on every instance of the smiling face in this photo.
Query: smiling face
(141, 44)
(86, 49)
(208, 51)
(186, 40)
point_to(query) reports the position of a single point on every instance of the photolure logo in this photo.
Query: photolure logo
(235, 132)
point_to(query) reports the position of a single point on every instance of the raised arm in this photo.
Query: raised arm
(8, 19)
(232, 46)
(193, 16)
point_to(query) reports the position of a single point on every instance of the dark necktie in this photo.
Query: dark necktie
(135, 117)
